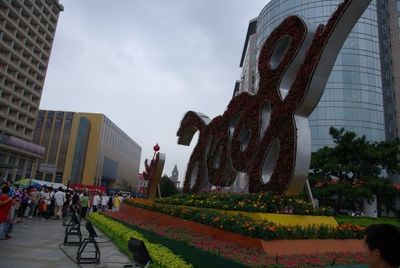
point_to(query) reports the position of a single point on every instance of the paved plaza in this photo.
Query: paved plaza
(35, 244)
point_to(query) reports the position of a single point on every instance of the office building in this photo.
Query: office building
(248, 61)
(27, 30)
(353, 98)
(389, 30)
(86, 149)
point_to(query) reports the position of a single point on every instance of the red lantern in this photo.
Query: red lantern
(156, 148)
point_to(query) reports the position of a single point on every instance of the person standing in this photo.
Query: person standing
(104, 202)
(117, 201)
(75, 204)
(52, 205)
(5, 208)
(84, 205)
(34, 197)
(24, 197)
(96, 202)
(59, 198)
(110, 202)
(47, 200)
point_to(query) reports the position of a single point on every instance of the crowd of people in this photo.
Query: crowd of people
(381, 243)
(17, 204)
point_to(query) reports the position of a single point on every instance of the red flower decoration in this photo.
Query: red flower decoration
(235, 141)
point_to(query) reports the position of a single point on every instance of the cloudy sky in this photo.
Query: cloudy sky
(145, 63)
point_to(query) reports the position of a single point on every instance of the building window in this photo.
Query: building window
(30, 164)
(39, 175)
(48, 122)
(11, 160)
(41, 114)
(68, 123)
(58, 123)
(48, 177)
(21, 163)
(59, 177)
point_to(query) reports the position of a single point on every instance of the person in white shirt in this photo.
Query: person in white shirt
(96, 202)
(104, 202)
(47, 201)
(59, 198)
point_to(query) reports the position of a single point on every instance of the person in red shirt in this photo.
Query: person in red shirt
(5, 207)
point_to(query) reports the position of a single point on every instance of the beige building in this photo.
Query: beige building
(87, 149)
(27, 30)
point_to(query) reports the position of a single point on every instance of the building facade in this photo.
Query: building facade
(87, 149)
(390, 20)
(249, 60)
(390, 62)
(353, 98)
(27, 30)
(174, 176)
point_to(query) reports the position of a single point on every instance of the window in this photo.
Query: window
(68, 123)
(21, 163)
(49, 177)
(59, 177)
(48, 122)
(58, 123)
(11, 160)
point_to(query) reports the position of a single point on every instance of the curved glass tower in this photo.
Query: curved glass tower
(353, 94)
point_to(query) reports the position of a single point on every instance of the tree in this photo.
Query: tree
(167, 187)
(353, 169)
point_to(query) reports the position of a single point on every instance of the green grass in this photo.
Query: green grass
(364, 221)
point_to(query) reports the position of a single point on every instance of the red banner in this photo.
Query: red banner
(90, 188)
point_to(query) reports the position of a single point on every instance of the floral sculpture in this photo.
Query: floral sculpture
(267, 135)
(153, 171)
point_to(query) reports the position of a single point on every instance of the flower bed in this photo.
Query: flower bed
(253, 257)
(260, 202)
(252, 227)
(160, 255)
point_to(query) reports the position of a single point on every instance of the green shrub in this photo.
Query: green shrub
(161, 256)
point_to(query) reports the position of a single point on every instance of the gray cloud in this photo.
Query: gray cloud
(145, 63)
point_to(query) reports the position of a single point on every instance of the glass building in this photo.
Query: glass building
(353, 98)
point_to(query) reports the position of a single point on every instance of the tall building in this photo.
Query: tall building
(27, 30)
(353, 98)
(248, 61)
(389, 22)
(174, 176)
(390, 61)
(86, 149)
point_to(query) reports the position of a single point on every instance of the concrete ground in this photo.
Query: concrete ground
(35, 244)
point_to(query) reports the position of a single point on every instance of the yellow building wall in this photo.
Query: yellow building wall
(93, 147)
(89, 171)
(106, 140)
(71, 149)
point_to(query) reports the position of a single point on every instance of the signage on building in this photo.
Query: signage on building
(47, 168)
